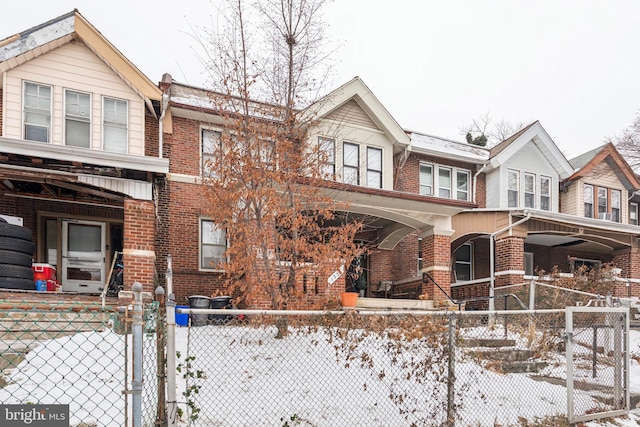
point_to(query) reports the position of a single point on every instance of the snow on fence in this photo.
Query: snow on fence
(239, 368)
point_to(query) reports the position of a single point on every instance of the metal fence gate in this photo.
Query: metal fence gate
(597, 362)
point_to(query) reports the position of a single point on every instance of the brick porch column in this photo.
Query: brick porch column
(436, 260)
(629, 261)
(509, 257)
(138, 247)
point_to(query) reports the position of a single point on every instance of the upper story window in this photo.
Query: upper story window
(633, 213)
(513, 178)
(327, 154)
(211, 143)
(213, 245)
(545, 193)
(351, 163)
(77, 119)
(609, 203)
(37, 112)
(114, 125)
(529, 190)
(374, 167)
(444, 186)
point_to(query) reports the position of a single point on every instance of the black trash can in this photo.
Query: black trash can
(199, 301)
(220, 302)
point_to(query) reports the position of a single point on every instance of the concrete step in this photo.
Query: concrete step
(486, 342)
(502, 354)
(393, 304)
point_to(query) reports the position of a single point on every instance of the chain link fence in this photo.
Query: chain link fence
(81, 355)
(381, 369)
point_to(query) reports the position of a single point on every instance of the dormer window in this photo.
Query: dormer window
(37, 112)
(609, 203)
(77, 119)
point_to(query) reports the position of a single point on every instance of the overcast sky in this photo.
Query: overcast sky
(435, 65)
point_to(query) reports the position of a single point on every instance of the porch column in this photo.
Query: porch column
(509, 257)
(138, 247)
(628, 260)
(436, 260)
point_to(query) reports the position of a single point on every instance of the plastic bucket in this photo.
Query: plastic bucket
(220, 302)
(349, 299)
(41, 285)
(199, 301)
(182, 319)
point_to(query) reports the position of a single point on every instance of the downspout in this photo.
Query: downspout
(163, 106)
(475, 180)
(492, 266)
(403, 159)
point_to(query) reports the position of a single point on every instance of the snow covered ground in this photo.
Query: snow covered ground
(86, 371)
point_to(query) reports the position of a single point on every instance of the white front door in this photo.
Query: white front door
(83, 256)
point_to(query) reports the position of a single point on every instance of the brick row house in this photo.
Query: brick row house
(94, 159)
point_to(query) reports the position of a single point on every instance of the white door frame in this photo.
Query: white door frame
(89, 264)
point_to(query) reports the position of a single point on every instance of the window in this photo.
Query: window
(528, 263)
(37, 112)
(211, 142)
(419, 255)
(374, 167)
(602, 203)
(213, 244)
(582, 265)
(444, 182)
(615, 206)
(529, 191)
(327, 153)
(351, 164)
(77, 119)
(462, 185)
(633, 213)
(426, 179)
(114, 125)
(588, 201)
(464, 257)
(545, 193)
(512, 188)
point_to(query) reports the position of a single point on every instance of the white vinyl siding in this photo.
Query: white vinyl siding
(37, 112)
(72, 67)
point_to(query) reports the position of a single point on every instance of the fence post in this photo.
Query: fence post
(161, 416)
(172, 409)
(451, 378)
(136, 329)
(532, 295)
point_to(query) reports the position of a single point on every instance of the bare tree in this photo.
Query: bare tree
(483, 132)
(266, 179)
(628, 143)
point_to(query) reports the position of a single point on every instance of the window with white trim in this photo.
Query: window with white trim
(374, 167)
(77, 119)
(327, 154)
(588, 201)
(426, 179)
(115, 114)
(351, 163)
(37, 112)
(464, 263)
(616, 205)
(213, 245)
(529, 190)
(211, 144)
(602, 204)
(528, 263)
(609, 203)
(462, 184)
(512, 188)
(633, 213)
(545, 193)
(444, 182)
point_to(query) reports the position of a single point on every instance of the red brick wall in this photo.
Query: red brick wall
(481, 191)
(436, 260)
(139, 250)
(509, 256)
(151, 133)
(185, 146)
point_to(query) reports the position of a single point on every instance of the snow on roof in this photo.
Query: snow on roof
(37, 36)
(447, 148)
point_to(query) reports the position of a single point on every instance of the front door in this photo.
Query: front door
(83, 256)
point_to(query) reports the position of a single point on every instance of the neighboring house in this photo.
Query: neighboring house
(79, 160)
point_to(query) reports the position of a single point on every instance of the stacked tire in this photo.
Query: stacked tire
(16, 251)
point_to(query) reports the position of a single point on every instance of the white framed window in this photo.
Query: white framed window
(528, 263)
(374, 167)
(581, 263)
(351, 163)
(426, 179)
(616, 206)
(603, 204)
(211, 144)
(529, 190)
(588, 201)
(37, 112)
(545, 193)
(633, 213)
(444, 182)
(512, 188)
(462, 185)
(464, 263)
(327, 154)
(115, 123)
(213, 245)
(77, 119)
